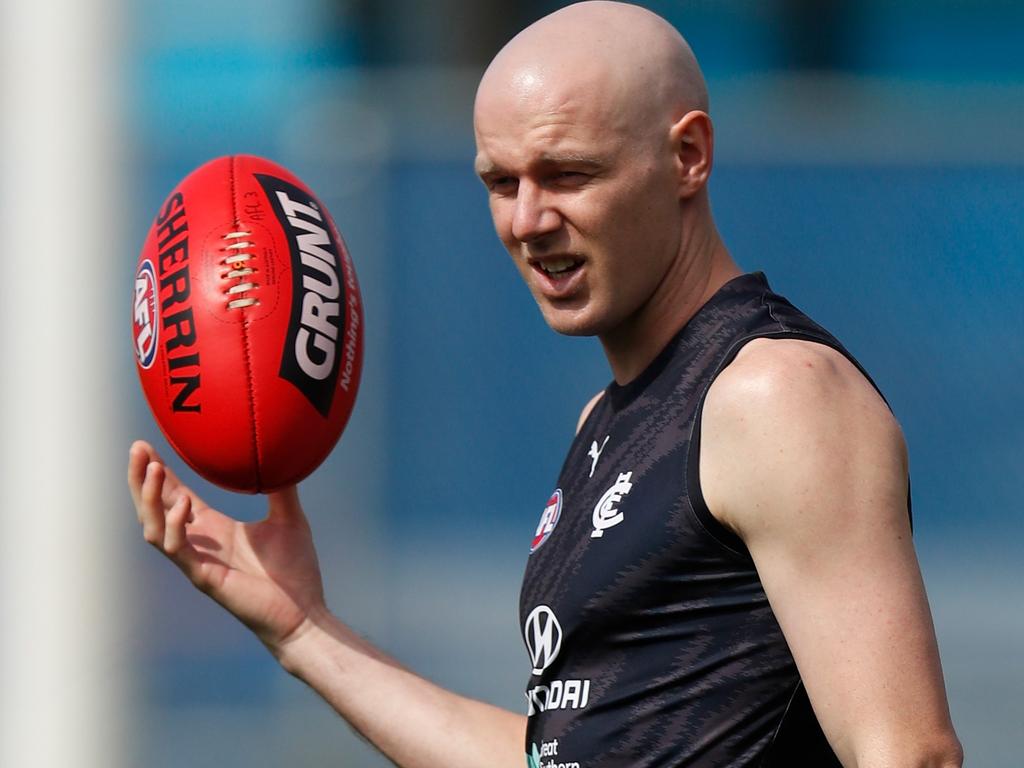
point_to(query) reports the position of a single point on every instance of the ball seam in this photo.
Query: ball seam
(247, 347)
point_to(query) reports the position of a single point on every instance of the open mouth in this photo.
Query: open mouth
(557, 268)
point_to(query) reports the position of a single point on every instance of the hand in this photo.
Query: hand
(266, 574)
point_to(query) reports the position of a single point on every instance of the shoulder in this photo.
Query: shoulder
(786, 418)
(587, 409)
(792, 380)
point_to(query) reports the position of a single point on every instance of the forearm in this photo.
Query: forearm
(416, 723)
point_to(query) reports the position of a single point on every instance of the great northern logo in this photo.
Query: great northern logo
(606, 512)
(548, 520)
(317, 334)
(547, 756)
(145, 324)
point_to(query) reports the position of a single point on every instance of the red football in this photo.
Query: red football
(247, 324)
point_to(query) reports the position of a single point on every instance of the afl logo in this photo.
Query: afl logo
(543, 635)
(548, 520)
(145, 324)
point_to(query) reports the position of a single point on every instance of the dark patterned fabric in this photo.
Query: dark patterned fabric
(650, 636)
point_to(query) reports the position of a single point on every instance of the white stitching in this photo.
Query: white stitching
(239, 269)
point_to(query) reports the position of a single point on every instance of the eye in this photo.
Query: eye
(502, 185)
(570, 179)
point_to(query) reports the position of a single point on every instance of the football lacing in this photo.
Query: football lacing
(239, 270)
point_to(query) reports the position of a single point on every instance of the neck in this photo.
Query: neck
(702, 266)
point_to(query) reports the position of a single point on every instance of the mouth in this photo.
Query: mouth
(558, 276)
(556, 267)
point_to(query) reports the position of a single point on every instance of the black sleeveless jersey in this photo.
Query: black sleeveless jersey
(651, 640)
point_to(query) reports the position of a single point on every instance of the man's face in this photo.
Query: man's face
(582, 196)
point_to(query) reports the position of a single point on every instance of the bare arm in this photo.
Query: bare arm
(267, 575)
(801, 457)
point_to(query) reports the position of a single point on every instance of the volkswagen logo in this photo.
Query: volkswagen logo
(543, 637)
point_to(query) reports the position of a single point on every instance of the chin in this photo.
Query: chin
(571, 322)
(572, 330)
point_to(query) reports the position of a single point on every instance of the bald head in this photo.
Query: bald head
(630, 60)
(595, 147)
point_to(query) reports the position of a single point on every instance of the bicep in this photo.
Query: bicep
(848, 594)
(809, 467)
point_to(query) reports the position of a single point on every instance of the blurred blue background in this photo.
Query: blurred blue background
(870, 160)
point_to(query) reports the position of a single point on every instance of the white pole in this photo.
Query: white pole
(62, 500)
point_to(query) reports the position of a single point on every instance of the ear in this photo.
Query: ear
(693, 143)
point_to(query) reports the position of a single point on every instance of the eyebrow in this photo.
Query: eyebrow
(484, 167)
(488, 168)
(570, 158)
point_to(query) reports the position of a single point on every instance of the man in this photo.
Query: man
(729, 545)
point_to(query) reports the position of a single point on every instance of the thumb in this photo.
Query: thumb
(284, 504)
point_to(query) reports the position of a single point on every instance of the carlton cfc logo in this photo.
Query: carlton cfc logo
(145, 325)
(548, 520)
(606, 513)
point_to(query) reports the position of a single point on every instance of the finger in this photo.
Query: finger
(139, 456)
(151, 507)
(178, 516)
(284, 504)
(173, 488)
(182, 552)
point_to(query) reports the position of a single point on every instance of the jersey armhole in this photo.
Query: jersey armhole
(798, 737)
(726, 537)
(588, 410)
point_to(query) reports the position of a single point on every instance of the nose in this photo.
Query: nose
(533, 216)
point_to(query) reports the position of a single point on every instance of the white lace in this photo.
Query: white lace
(240, 253)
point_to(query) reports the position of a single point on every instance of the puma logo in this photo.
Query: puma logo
(595, 453)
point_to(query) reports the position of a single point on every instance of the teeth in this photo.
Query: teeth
(555, 266)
